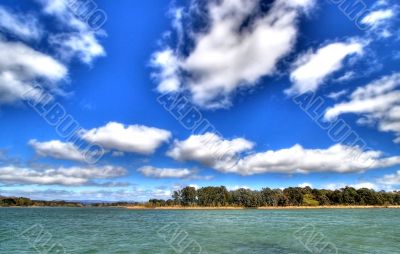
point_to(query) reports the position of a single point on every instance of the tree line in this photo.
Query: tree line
(293, 196)
(220, 197)
(26, 202)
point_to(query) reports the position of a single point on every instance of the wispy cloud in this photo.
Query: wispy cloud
(390, 179)
(78, 39)
(73, 176)
(98, 194)
(150, 171)
(337, 95)
(377, 17)
(312, 68)
(378, 102)
(24, 26)
(21, 66)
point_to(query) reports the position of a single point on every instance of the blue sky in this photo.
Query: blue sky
(292, 93)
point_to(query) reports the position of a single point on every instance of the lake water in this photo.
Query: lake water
(79, 230)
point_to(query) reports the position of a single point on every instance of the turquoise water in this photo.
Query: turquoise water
(79, 230)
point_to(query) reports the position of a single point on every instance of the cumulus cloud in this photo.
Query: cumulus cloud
(311, 69)
(225, 156)
(58, 150)
(392, 179)
(150, 171)
(243, 42)
(73, 176)
(133, 138)
(169, 69)
(378, 102)
(81, 41)
(23, 26)
(337, 158)
(209, 149)
(21, 66)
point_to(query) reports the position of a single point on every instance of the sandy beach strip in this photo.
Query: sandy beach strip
(259, 208)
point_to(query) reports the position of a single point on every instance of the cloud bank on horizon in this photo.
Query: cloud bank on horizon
(230, 68)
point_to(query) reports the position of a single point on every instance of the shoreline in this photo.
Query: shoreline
(258, 208)
(216, 208)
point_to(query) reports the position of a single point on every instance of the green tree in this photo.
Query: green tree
(189, 196)
(213, 196)
(350, 196)
(322, 196)
(369, 197)
(246, 198)
(336, 197)
(294, 196)
(177, 197)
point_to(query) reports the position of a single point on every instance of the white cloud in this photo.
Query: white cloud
(194, 186)
(57, 149)
(303, 185)
(133, 138)
(21, 66)
(311, 69)
(335, 186)
(55, 6)
(381, 19)
(225, 156)
(378, 16)
(368, 185)
(168, 65)
(346, 77)
(209, 149)
(117, 154)
(337, 158)
(365, 185)
(378, 101)
(25, 61)
(337, 95)
(97, 194)
(74, 176)
(82, 41)
(83, 45)
(237, 187)
(230, 55)
(150, 171)
(392, 179)
(24, 26)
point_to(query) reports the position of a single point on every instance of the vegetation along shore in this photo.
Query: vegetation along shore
(221, 198)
